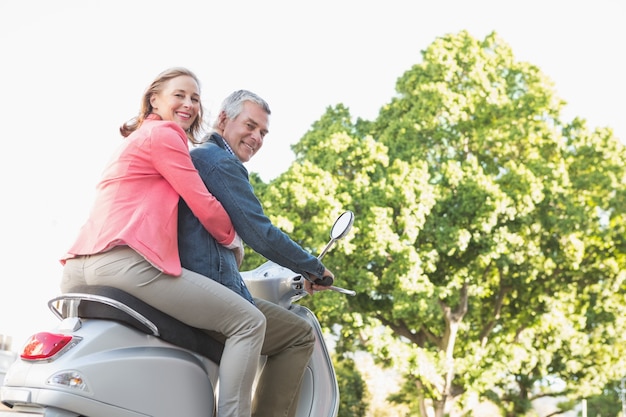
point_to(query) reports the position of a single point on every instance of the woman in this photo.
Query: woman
(130, 238)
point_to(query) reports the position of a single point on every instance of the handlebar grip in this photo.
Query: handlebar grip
(326, 281)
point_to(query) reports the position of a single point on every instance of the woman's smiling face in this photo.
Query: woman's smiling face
(179, 101)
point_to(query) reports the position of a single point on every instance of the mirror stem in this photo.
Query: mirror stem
(328, 246)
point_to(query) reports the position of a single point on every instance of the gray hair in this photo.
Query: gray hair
(233, 104)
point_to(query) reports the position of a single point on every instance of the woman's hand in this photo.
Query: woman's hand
(237, 247)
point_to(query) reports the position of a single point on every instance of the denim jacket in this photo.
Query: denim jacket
(227, 179)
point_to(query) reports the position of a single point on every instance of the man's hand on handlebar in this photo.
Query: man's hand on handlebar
(319, 284)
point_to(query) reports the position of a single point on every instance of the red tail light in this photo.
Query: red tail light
(44, 345)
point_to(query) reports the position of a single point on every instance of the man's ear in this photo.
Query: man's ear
(221, 120)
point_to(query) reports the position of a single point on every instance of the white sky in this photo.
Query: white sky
(73, 70)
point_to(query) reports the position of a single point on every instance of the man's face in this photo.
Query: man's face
(245, 132)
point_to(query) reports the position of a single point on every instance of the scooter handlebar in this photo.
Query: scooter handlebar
(319, 281)
(324, 281)
(342, 290)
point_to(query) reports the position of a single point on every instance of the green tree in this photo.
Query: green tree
(354, 398)
(489, 246)
(605, 404)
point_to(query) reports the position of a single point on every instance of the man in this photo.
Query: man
(238, 135)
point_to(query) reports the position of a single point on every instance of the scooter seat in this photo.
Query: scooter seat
(170, 329)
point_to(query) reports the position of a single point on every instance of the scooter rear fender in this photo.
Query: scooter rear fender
(139, 373)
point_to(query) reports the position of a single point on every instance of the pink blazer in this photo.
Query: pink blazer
(137, 199)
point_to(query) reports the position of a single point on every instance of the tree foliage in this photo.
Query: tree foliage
(354, 398)
(488, 250)
(608, 403)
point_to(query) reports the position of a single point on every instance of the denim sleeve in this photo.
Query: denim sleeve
(227, 179)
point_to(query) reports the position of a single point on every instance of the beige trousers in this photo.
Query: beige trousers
(196, 301)
(289, 342)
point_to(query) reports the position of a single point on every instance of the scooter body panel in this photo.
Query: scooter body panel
(125, 373)
(319, 395)
(115, 370)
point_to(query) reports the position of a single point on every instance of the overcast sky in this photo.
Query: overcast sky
(73, 70)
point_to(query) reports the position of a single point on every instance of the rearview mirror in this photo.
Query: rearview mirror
(342, 225)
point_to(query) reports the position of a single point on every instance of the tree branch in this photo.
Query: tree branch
(497, 310)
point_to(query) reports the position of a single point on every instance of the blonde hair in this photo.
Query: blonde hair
(146, 108)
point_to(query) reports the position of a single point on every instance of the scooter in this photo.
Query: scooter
(115, 356)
